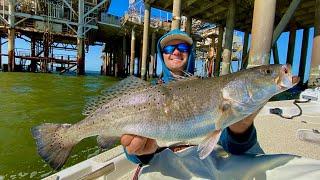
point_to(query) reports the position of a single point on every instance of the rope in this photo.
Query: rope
(279, 112)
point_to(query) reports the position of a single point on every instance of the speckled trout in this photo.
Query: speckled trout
(177, 111)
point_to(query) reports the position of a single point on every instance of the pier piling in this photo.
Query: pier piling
(176, 14)
(303, 57)
(219, 52)
(132, 50)
(262, 30)
(291, 44)
(315, 57)
(145, 44)
(227, 51)
(11, 35)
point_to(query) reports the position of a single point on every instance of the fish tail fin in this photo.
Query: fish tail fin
(51, 145)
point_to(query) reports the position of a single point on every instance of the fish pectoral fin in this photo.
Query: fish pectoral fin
(207, 145)
(105, 142)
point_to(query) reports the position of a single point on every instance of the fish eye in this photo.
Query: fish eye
(268, 71)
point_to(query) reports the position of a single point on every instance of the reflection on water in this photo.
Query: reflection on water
(29, 99)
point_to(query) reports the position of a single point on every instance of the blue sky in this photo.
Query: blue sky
(119, 7)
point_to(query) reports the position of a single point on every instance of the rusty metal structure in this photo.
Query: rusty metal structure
(49, 25)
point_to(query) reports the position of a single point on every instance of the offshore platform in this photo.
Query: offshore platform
(69, 24)
(49, 25)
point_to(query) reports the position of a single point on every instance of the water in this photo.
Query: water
(29, 99)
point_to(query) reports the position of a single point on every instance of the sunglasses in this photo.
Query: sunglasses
(182, 47)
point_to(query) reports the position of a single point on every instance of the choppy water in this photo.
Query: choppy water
(29, 99)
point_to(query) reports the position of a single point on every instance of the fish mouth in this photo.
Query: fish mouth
(286, 80)
(294, 81)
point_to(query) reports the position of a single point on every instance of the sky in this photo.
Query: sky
(119, 8)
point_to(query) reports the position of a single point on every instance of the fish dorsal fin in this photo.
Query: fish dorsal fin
(187, 76)
(209, 142)
(122, 87)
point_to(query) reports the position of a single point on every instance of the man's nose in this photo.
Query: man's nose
(176, 51)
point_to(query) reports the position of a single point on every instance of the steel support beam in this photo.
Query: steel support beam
(303, 57)
(11, 36)
(275, 53)
(189, 25)
(96, 7)
(146, 26)
(33, 65)
(176, 14)
(152, 55)
(124, 55)
(133, 50)
(227, 51)
(70, 7)
(245, 50)
(315, 57)
(206, 7)
(291, 45)
(262, 29)
(80, 40)
(285, 19)
(40, 18)
(219, 52)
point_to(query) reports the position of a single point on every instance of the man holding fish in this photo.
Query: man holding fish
(178, 57)
(182, 108)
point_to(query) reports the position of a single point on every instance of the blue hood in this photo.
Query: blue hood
(166, 74)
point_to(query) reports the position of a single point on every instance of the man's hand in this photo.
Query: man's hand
(138, 145)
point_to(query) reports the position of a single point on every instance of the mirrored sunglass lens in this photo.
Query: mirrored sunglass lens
(168, 49)
(183, 48)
